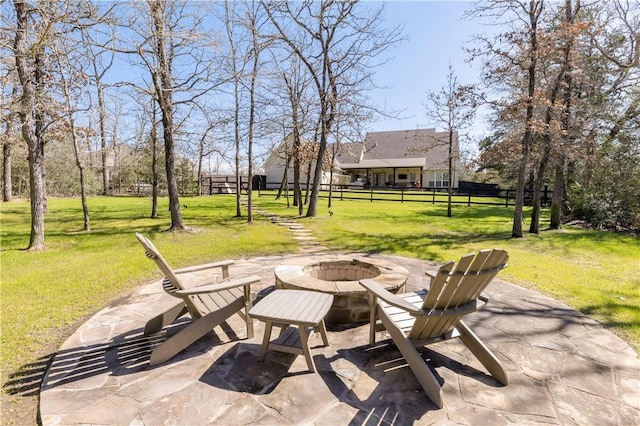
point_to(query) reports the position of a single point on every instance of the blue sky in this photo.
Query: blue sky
(437, 34)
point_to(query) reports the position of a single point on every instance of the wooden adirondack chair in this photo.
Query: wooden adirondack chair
(420, 318)
(209, 305)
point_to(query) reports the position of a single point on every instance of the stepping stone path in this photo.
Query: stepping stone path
(307, 243)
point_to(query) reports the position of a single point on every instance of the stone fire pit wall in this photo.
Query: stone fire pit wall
(339, 276)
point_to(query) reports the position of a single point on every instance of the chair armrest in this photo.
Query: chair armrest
(225, 285)
(374, 287)
(196, 268)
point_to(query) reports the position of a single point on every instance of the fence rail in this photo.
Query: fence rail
(497, 197)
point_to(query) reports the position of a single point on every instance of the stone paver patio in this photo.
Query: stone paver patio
(563, 367)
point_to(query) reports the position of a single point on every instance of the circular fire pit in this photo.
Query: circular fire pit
(339, 276)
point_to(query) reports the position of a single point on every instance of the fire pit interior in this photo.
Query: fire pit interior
(342, 270)
(339, 276)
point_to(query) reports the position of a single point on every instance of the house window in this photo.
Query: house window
(402, 176)
(438, 179)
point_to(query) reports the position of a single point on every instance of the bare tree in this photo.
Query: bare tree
(163, 84)
(206, 142)
(153, 139)
(101, 58)
(244, 22)
(173, 44)
(9, 137)
(35, 26)
(453, 108)
(236, 77)
(71, 80)
(296, 83)
(253, 21)
(336, 42)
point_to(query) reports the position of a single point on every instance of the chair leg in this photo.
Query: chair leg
(323, 333)
(483, 353)
(157, 323)
(304, 344)
(268, 326)
(198, 328)
(247, 307)
(373, 317)
(418, 365)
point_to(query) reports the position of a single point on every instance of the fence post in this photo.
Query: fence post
(433, 196)
(341, 189)
(371, 193)
(401, 195)
(469, 200)
(507, 199)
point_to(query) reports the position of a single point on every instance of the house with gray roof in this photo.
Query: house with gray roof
(399, 158)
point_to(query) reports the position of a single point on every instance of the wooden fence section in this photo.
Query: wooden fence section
(461, 196)
(464, 195)
(221, 184)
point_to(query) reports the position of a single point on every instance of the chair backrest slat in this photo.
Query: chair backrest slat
(171, 282)
(449, 294)
(153, 254)
(456, 286)
(437, 284)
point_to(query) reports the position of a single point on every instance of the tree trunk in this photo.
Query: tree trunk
(27, 105)
(312, 210)
(330, 188)
(172, 184)
(200, 160)
(308, 184)
(534, 12)
(37, 193)
(284, 180)
(534, 227)
(297, 188)
(557, 202)
(39, 74)
(237, 159)
(77, 155)
(102, 111)
(7, 190)
(163, 84)
(154, 162)
(252, 113)
(333, 159)
(559, 186)
(450, 184)
(83, 185)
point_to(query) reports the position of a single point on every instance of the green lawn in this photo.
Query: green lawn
(596, 272)
(45, 294)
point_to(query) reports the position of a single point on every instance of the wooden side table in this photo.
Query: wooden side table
(299, 312)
